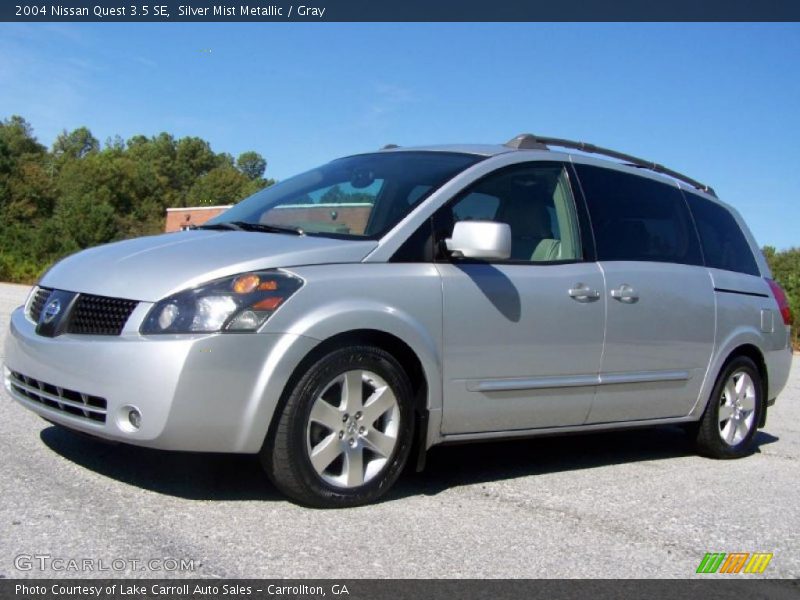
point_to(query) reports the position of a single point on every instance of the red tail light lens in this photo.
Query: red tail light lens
(783, 303)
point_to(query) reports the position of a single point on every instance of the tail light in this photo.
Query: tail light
(780, 298)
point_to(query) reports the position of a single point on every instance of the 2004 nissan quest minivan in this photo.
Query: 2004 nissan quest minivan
(412, 297)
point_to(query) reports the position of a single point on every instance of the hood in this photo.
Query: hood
(150, 268)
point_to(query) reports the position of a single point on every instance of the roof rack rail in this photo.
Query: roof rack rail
(528, 141)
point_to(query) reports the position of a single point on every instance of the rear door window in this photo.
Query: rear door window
(635, 218)
(724, 244)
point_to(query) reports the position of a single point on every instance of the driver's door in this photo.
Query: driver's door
(523, 338)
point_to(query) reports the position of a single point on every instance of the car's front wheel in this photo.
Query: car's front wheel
(345, 431)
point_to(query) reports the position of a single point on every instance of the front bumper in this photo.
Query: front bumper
(205, 393)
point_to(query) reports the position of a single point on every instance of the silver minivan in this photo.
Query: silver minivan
(349, 318)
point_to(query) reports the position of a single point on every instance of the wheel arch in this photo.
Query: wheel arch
(408, 358)
(747, 349)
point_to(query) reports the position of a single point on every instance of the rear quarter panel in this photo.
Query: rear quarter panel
(747, 314)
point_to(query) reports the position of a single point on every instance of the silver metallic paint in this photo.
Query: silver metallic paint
(518, 321)
(670, 327)
(212, 393)
(219, 392)
(151, 268)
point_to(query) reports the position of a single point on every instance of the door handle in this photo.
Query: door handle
(583, 293)
(625, 293)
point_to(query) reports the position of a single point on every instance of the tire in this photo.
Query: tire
(738, 394)
(338, 443)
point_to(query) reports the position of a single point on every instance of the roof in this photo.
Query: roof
(477, 149)
(530, 142)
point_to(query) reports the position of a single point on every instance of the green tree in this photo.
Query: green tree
(193, 158)
(115, 143)
(77, 143)
(25, 187)
(31, 193)
(78, 194)
(82, 222)
(785, 267)
(252, 164)
(17, 134)
(221, 185)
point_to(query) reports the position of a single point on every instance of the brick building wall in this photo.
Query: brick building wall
(337, 218)
(181, 218)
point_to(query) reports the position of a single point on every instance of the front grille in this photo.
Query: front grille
(37, 303)
(90, 315)
(86, 406)
(99, 315)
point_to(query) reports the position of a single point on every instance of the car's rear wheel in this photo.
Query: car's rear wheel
(345, 432)
(729, 425)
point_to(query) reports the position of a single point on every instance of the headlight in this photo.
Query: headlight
(239, 304)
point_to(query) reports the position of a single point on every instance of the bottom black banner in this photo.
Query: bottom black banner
(397, 589)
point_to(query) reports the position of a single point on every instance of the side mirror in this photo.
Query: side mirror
(480, 239)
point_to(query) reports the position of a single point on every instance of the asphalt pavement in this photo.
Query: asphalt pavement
(614, 505)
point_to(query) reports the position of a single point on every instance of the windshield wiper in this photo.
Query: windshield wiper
(245, 226)
(226, 226)
(267, 228)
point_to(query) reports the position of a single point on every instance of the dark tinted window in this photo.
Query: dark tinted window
(724, 244)
(635, 218)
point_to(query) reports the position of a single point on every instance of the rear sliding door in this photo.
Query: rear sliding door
(660, 299)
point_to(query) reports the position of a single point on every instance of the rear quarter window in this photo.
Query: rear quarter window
(724, 245)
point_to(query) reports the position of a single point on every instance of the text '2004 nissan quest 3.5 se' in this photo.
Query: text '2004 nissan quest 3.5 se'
(412, 297)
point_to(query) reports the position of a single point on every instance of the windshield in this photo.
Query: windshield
(360, 196)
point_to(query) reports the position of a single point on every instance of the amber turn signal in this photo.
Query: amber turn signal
(268, 303)
(269, 284)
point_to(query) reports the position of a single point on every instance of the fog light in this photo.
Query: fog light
(135, 418)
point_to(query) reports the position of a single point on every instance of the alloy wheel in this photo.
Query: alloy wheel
(737, 408)
(353, 429)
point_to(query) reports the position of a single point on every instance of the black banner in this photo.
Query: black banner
(401, 10)
(393, 589)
